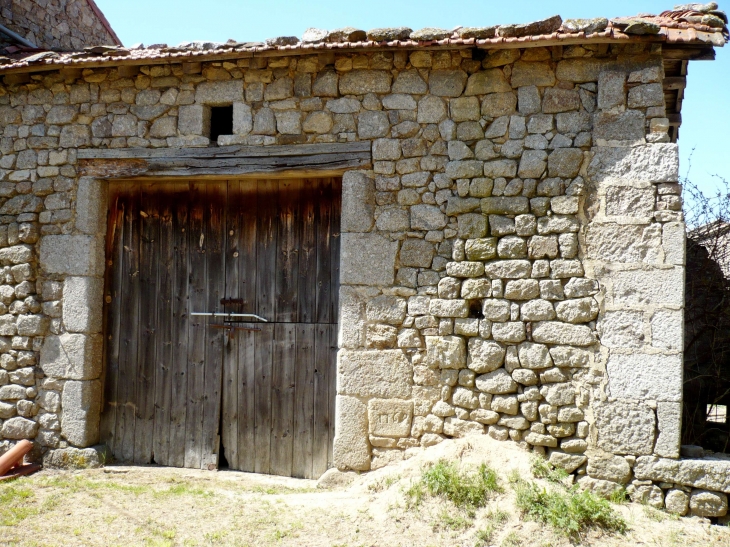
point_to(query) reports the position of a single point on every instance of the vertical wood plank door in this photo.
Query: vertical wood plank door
(192, 391)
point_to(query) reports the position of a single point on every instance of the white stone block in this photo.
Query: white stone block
(351, 318)
(91, 206)
(651, 286)
(194, 119)
(646, 163)
(390, 417)
(82, 304)
(242, 119)
(669, 422)
(72, 356)
(644, 376)
(622, 329)
(625, 428)
(667, 329)
(674, 242)
(219, 93)
(624, 243)
(358, 202)
(81, 403)
(72, 255)
(367, 259)
(379, 373)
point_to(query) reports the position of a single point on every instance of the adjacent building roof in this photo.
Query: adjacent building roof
(695, 26)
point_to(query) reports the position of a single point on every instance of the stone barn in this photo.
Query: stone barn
(323, 252)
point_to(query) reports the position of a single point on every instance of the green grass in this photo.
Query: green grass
(569, 511)
(466, 489)
(15, 504)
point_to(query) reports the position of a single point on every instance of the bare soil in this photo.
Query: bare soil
(156, 506)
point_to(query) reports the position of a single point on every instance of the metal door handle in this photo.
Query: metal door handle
(224, 314)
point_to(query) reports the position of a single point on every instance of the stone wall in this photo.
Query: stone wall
(66, 25)
(511, 265)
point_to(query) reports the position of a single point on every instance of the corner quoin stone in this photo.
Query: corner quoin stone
(72, 255)
(81, 403)
(351, 447)
(642, 376)
(72, 356)
(379, 373)
(82, 304)
(625, 428)
(367, 259)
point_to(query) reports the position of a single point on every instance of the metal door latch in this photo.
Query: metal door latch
(229, 315)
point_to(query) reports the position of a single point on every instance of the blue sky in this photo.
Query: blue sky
(705, 112)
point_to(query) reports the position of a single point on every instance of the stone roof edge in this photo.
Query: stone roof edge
(104, 21)
(678, 38)
(699, 27)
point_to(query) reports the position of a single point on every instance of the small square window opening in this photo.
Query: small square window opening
(221, 122)
(717, 414)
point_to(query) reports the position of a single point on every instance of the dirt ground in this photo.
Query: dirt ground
(154, 506)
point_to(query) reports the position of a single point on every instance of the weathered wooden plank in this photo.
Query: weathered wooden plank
(287, 256)
(180, 326)
(164, 334)
(246, 389)
(263, 370)
(682, 52)
(113, 315)
(198, 327)
(307, 285)
(126, 392)
(674, 82)
(323, 289)
(271, 162)
(146, 350)
(266, 233)
(248, 212)
(231, 390)
(215, 198)
(304, 366)
(282, 398)
(336, 198)
(332, 377)
(321, 404)
(225, 151)
(140, 168)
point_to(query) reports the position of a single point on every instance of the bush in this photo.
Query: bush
(570, 512)
(466, 489)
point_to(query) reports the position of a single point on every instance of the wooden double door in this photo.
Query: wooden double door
(197, 391)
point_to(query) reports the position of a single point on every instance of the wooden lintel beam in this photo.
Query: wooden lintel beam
(128, 71)
(218, 152)
(687, 53)
(224, 161)
(192, 68)
(327, 165)
(675, 82)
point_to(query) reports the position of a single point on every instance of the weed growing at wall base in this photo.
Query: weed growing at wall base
(570, 512)
(466, 489)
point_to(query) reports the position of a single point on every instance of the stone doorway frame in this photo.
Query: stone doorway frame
(80, 259)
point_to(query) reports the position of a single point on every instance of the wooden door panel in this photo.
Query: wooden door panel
(176, 387)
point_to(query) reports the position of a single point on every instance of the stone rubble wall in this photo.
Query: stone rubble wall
(64, 25)
(512, 264)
